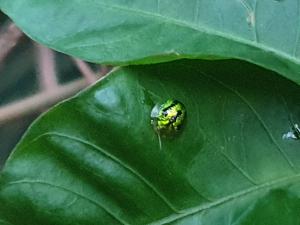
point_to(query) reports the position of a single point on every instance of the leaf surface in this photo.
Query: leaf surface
(95, 159)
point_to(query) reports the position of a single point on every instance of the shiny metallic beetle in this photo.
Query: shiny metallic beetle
(168, 118)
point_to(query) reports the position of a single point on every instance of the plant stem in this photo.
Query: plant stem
(46, 68)
(85, 70)
(8, 39)
(39, 101)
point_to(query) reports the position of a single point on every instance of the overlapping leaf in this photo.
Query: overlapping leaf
(133, 31)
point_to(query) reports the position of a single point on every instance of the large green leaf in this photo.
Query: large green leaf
(95, 158)
(133, 31)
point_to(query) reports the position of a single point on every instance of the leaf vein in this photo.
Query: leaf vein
(203, 30)
(267, 130)
(255, 189)
(241, 170)
(41, 182)
(115, 159)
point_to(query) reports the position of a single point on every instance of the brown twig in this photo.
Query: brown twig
(39, 101)
(86, 71)
(8, 40)
(103, 70)
(46, 68)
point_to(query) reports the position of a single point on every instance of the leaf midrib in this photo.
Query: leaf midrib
(256, 189)
(194, 210)
(206, 30)
(188, 212)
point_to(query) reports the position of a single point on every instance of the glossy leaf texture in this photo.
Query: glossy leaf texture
(123, 32)
(95, 159)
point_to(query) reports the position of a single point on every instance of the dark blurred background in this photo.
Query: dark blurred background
(19, 80)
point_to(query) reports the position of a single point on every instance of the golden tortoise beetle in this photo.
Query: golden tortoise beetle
(168, 118)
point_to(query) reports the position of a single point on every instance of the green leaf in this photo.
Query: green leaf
(95, 159)
(132, 32)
